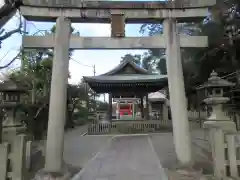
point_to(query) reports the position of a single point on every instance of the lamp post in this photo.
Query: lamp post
(214, 90)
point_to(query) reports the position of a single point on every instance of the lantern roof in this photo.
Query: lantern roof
(157, 96)
(215, 81)
(12, 86)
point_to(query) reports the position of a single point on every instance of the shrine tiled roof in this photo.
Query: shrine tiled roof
(122, 65)
(125, 78)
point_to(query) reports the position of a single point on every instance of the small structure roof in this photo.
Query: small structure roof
(156, 96)
(12, 86)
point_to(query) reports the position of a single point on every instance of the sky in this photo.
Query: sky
(82, 61)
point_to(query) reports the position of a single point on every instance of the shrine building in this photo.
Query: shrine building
(128, 86)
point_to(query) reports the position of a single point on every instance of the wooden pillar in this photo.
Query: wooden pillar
(110, 106)
(150, 111)
(133, 110)
(1, 126)
(147, 108)
(142, 107)
(165, 111)
(118, 110)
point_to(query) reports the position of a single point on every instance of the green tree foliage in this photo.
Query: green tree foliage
(146, 60)
(102, 106)
(36, 75)
(136, 58)
(37, 78)
(222, 27)
(216, 26)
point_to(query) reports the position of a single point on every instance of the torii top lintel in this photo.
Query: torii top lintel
(102, 11)
(181, 4)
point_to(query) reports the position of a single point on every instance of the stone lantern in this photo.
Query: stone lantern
(214, 90)
(10, 98)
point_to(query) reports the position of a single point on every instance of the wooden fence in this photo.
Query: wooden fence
(123, 128)
(193, 114)
(15, 159)
(127, 127)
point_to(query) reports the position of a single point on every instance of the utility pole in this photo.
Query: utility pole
(94, 94)
(94, 70)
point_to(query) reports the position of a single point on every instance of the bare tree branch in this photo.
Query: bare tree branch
(7, 35)
(8, 10)
(8, 64)
(10, 33)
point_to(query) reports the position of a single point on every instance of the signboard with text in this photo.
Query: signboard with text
(117, 25)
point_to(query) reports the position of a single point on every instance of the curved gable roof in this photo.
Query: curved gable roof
(124, 64)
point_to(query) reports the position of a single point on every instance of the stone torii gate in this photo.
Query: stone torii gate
(67, 11)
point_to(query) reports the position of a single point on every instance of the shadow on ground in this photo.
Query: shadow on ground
(164, 148)
(78, 150)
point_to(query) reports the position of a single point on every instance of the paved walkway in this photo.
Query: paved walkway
(125, 158)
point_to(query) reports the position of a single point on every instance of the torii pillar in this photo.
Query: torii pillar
(58, 97)
(178, 101)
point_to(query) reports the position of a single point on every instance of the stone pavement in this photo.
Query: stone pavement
(164, 147)
(78, 150)
(125, 158)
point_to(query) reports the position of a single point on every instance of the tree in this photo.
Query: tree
(136, 58)
(145, 60)
(77, 98)
(222, 27)
(7, 10)
(36, 75)
(6, 34)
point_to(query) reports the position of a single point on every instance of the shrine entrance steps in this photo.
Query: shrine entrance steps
(125, 158)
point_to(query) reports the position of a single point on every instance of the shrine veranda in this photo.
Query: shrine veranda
(117, 13)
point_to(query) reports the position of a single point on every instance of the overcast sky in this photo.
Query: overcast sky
(83, 60)
(104, 60)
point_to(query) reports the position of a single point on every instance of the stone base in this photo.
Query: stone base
(66, 174)
(185, 174)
